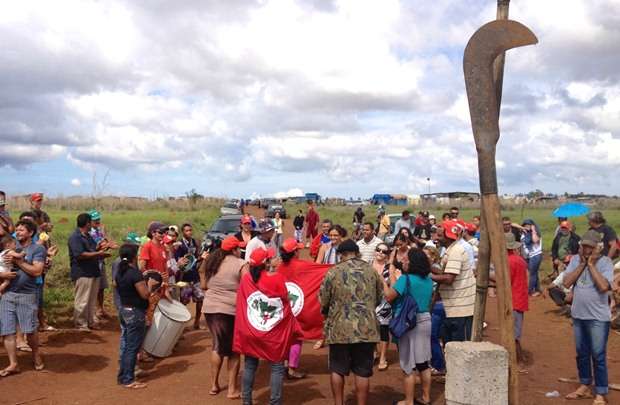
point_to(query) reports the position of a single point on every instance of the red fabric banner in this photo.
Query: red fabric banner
(303, 280)
(265, 326)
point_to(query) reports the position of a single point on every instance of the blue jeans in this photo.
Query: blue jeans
(591, 343)
(277, 375)
(437, 317)
(133, 328)
(533, 265)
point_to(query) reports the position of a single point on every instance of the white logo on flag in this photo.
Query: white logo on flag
(295, 297)
(263, 312)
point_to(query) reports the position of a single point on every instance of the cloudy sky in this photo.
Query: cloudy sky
(342, 97)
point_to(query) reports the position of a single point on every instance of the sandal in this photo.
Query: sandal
(580, 394)
(383, 366)
(295, 375)
(318, 345)
(24, 348)
(236, 395)
(39, 367)
(135, 385)
(7, 372)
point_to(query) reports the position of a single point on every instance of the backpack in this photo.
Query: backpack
(406, 318)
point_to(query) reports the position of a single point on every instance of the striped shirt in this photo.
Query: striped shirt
(459, 297)
(367, 249)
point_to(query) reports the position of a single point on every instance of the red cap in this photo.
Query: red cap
(246, 219)
(36, 197)
(453, 229)
(471, 228)
(167, 239)
(260, 256)
(290, 245)
(230, 243)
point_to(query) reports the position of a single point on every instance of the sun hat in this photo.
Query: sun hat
(591, 238)
(290, 245)
(511, 241)
(230, 242)
(94, 215)
(36, 197)
(260, 256)
(453, 229)
(348, 246)
(265, 225)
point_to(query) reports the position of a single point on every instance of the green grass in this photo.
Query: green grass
(59, 291)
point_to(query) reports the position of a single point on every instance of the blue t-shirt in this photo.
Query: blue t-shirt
(420, 288)
(78, 244)
(588, 302)
(23, 283)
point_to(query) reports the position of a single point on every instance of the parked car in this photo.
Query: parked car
(230, 208)
(222, 227)
(273, 208)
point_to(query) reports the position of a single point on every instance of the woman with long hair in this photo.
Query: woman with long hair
(327, 252)
(224, 269)
(399, 258)
(531, 237)
(265, 326)
(381, 264)
(414, 347)
(133, 292)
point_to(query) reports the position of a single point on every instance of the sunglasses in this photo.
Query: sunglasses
(385, 252)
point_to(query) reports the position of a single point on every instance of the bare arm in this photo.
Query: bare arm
(613, 247)
(601, 283)
(34, 270)
(571, 278)
(446, 278)
(535, 235)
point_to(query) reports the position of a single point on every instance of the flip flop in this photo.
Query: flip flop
(6, 372)
(214, 391)
(295, 375)
(24, 348)
(39, 367)
(318, 345)
(234, 396)
(580, 395)
(135, 386)
(383, 366)
(48, 328)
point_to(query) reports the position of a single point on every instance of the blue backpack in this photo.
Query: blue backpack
(406, 318)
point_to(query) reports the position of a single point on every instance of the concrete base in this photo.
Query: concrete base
(477, 374)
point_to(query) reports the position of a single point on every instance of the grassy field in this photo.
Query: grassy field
(59, 293)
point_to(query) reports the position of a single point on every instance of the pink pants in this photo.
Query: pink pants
(294, 354)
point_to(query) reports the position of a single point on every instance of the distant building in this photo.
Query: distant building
(389, 199)
(454, 197)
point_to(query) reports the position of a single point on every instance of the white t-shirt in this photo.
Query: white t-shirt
(367, 250)
(4, 268)
(458, 298)
(255, 243)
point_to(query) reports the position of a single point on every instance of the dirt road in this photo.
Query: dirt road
(81, 369)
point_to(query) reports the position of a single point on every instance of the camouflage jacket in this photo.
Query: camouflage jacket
(349, 295)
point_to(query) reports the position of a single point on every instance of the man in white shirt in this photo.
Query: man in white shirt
(369, 242)
(263, 240)
(405, 221)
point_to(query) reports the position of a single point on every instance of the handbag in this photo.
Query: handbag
(406, 318)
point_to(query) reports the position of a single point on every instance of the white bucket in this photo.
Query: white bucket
(168, 323)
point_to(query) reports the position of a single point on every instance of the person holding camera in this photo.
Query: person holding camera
(591, 275)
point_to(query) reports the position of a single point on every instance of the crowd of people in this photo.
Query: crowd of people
(373, 279)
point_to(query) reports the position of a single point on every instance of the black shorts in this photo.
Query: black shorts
(384, 333)
(354, 357)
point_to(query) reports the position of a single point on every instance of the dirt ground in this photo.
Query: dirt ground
(82, 366)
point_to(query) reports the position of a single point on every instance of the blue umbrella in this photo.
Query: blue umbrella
(571, 210)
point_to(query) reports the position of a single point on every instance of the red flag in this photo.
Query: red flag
(265, 326)
(303, 280)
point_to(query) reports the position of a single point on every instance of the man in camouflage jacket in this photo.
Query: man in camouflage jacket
(349, 295)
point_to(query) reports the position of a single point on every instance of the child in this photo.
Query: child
(7, 251)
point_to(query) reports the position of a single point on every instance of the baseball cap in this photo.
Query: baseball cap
(265, 225)
(36, 197)
(260, 256)
(246, 219)
(566, 225)
(431, 216)
(591, 238)
(133, 237)
(230, 242)
(348, 246)
(511, 241)
(94, 215)
(290, 245)
(470, 227)
(452, 229)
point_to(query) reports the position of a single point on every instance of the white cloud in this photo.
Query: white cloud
(293, 192)
(76, 182)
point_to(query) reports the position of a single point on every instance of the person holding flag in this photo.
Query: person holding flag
(303, 280)
(265, 327)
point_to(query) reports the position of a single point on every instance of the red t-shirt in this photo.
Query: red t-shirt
(518, 280)
(155, 257)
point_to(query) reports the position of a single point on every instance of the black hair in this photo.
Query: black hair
(256, 271)
(405, 229)
(214, 261)
(186, 224)
(127, 254)
(286, 256)
(418, 263)
(406, 212)
(28, 214)
(505, 219)
(371, 225)
(30, 225)
(402, 238)
(327, 221)
(340, 229)
(4, 242)
(454, 208)
(83, 219)
(445, 215)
